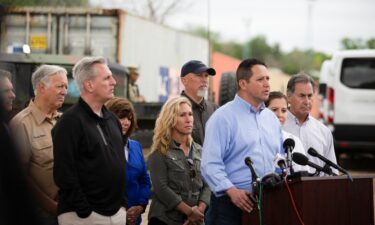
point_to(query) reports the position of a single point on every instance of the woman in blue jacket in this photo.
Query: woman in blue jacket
(138, 182)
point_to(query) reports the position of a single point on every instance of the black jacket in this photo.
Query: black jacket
(201, 113)
(90, 164)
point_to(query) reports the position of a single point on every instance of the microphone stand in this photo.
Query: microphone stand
(327, 168)
(255, 181)
(289, 161)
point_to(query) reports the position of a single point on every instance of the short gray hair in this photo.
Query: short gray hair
(43, 74)
(5, 74)
(84, 70)
(301, 77)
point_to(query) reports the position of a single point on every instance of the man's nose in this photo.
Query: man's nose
(113, 81)
(13, 95)
(266, 83)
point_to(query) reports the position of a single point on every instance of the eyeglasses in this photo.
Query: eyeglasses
(192, 171)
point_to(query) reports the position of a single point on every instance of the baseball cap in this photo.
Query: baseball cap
(195, 66)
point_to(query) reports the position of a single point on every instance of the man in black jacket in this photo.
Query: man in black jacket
(89, 164)
(194, 77)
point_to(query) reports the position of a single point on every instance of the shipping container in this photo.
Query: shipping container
(158, 51)
(61, 31)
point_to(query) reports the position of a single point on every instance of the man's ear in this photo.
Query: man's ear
(184, 80)
(88, 85)
(41, 87)
(288, 97)
(242, 83)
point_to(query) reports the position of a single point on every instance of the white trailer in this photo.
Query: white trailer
(158, 51)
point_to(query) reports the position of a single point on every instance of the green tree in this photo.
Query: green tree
(371, 43)
(231, 48)
(259, 48)
(296, 61)
(202, 32)
(349, 43)
(290, 62)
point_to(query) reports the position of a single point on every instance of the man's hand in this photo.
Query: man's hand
(240, 198)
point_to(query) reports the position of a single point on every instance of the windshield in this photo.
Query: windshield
(358, 73)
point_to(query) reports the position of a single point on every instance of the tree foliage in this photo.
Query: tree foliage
(258, 47)
(357, 43)
(155, 10)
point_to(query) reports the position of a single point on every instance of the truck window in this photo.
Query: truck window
(323, 90)
(358, 73)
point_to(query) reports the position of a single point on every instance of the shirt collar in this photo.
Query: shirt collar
(295, 119)
(87, 108)
(176, 145)
(201, 105)
(247, 106)
(41, 116)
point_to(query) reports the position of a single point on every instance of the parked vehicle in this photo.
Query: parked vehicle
(62, 36)
(350, 111)
(158, 51)
(21, 66)
(323, 79)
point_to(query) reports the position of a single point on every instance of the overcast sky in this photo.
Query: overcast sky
(282, 21)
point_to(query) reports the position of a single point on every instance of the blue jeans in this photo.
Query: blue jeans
(223, 212)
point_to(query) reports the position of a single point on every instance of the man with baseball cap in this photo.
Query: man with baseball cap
(194, 77)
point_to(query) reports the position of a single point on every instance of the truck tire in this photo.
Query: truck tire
(228, 88)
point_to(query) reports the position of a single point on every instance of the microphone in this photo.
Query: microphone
(288, 147)
(289, 144)
(279, 161)
(301, 159)
(254, 179)
(249, 163)
(314, 153)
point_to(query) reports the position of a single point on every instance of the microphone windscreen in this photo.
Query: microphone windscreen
(248, 161)
(279, 160)
(312, 152)
(300, 158)
(289, 143)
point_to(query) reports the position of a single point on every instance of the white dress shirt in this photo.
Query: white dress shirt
(298, 147)
(313, 133)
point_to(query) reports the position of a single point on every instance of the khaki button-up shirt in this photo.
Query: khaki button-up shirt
(32, 130)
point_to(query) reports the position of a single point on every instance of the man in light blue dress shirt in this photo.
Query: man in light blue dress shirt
(241, 128)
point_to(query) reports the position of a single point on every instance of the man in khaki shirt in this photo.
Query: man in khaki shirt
(32, 130)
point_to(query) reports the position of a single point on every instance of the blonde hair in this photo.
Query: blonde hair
(165, 123)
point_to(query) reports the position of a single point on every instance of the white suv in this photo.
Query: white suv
(350, 97)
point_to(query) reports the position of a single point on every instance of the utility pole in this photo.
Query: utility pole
(247, 48)
(309, 26)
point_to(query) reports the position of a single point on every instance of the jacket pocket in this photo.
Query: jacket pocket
(176, 174)
(42, 151)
